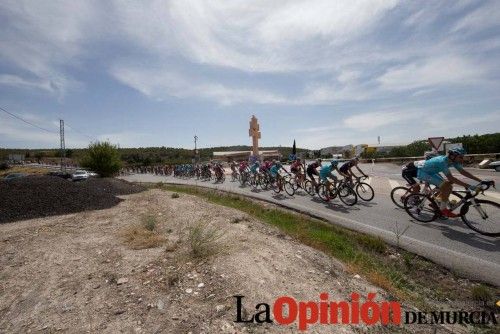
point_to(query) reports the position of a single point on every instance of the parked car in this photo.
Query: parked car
(79, 175)
(14, 176)
(495, 165)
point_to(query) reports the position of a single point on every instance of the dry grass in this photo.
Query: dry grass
(24, 170)
(142, 236)
(204, 239)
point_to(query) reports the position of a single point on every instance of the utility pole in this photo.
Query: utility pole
(63, 146)
(195, 149)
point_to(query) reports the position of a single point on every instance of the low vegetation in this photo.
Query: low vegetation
(406, 276)
(143, 235)
(204, 239)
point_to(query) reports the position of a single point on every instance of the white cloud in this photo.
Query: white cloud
(484, 17)
(373, 120)
(451, 70)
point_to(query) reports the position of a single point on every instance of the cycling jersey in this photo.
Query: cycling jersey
(430, 170)
(439, 164)
(274, 170)
(295, 166)
(346, 166)
(254, 167)
(326, 172)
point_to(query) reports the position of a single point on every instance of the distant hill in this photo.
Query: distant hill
(144, 155)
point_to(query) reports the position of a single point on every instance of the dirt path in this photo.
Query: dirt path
(75, 273)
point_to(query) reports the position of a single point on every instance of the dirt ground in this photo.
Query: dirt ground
(75, 273)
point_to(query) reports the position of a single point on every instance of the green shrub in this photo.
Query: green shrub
(481, 293)
(175, 195)
(4, 166)
(150, 223)
(102, 158)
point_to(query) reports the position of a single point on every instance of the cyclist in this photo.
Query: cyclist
(409, 172)
(233, 166)
(276, 167)
(254, 168)
(346, 169)
(296, 169)
(326, 172)
(312, 170)
(429, 172)
(243, 166)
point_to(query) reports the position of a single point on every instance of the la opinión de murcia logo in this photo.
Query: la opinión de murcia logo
(286, 311)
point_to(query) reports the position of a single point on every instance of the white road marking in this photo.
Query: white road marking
(393, 183)
(492, 194)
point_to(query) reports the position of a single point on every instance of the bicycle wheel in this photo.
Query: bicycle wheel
(420, 207)
(323, 192)
(276, 186)
(309, 188)
(398, 196)
(365, 191)
(483, 218)
(347, 195)
(264, 182)
(289, 189)
(294, 183)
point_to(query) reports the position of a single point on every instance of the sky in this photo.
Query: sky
(322, 72)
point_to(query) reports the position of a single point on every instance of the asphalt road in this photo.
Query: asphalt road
(449, 243)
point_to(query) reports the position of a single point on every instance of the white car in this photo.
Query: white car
(79, 175)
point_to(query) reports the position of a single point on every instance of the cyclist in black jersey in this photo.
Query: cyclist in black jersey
(346, 169)
(312, 170)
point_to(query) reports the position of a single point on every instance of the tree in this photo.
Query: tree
(102, 158)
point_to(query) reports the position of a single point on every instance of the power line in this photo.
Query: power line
(83, 134)
(25, 121)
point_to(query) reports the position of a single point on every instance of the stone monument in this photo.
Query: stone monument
(254, 132)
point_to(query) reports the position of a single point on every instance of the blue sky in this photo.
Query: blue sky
(154, 73)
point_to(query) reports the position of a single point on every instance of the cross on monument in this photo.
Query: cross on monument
(255, 134)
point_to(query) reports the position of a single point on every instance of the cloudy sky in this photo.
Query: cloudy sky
(154, 73)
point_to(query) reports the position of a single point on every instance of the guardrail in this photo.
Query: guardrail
(470, 158)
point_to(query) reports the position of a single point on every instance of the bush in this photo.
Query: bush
(102, 158)
(4, 166)
(175, 195)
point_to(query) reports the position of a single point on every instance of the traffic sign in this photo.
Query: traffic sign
(435, 142)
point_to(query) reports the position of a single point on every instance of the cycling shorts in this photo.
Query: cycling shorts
(434, 179)
(409, 173)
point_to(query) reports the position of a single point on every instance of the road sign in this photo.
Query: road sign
(435, 142)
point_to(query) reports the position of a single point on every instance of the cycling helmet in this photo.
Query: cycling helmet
(334, 162)
(356, 158)
(430, 155)
(319, 161)
(457, 151)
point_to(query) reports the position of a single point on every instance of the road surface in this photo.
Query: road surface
(449, 243)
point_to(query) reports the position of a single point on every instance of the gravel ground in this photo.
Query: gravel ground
(42, 196)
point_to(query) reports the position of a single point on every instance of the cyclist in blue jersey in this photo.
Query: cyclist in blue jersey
(430, 170)
(276, 168)
(326, 172)
(255, 166)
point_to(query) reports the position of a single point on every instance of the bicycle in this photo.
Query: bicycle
(484, 219)
(363, 189)
(280, 183)
(399, 194)
(345, 193)
(303, 183)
